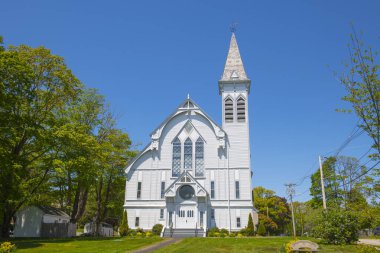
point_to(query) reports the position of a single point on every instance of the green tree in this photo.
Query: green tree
(362, 85)
(34, 86)
(274, 207)
(261, 229)
(123, 229)
(250, 229)
(337, 227)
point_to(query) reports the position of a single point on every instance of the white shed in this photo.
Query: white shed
(42, 221)
(105, 228)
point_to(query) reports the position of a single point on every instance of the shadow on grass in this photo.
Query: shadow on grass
(27, 243)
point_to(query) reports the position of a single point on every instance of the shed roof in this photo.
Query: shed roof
(52, 211)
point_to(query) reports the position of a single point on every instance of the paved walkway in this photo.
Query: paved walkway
(375, 242)
(159, 245)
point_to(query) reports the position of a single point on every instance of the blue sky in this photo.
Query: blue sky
(146, 56)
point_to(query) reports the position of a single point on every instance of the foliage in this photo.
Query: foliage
(123, 229)
(224, 231)
(34, 86)
(250, 229)
(157, 228)
(362, 85)
(288, 246)
(7, 247)
(337, 227)
(275, 209)
(58, 142)
(211, 232)
(261, 229)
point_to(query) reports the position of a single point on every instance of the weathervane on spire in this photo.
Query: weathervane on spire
(233, 27)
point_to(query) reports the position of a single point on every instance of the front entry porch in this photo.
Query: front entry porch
(186, 206)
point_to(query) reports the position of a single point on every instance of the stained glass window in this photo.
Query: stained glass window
(176, 166)
(199, 157)
(188, 154)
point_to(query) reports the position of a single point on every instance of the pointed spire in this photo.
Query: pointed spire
(234, 68)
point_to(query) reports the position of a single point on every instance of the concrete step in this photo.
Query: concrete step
(183, 232)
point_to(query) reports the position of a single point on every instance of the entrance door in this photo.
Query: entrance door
(185, 217)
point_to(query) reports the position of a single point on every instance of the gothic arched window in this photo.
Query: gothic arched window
(199, 157)
(188, 154)
(228, 110)
(176, 166)
(241, 110)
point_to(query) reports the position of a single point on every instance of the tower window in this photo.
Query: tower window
(241, 110)
(199, 157)
(188, 154)
(176, 166)
(228, 110)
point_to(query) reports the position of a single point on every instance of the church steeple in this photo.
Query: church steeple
(234, 69)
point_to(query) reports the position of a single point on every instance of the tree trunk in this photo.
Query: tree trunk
(99, 206)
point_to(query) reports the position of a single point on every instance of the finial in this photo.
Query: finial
(188, 96)
(233, 27)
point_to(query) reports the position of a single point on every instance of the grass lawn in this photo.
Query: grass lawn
(256, 244)
(103, 245)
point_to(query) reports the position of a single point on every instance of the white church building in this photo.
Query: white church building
(195, 174)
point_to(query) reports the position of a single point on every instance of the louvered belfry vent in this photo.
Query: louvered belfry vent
(241, 110)
(228, 110)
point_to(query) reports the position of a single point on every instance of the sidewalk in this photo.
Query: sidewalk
(375, 242)
(159, 245)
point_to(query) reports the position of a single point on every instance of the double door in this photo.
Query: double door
(186, 217)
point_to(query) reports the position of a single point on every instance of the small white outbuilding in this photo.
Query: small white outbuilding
(105, 228)
(43, 221)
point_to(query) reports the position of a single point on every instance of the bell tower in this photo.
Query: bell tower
(234, 88)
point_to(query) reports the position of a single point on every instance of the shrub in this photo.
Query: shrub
(139, 234)
(214, 229)
(7, 247)
(212, 232)
(337, 227)
(239, 235)
(250, 229)
(156, 230)
(132, 232)
(261, 230)
(123, 229)
(140, 230)
(148, 234)
(224, 231)
(232, 234)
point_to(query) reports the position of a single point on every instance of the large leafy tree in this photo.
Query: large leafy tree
(274, 210)
(34, 86)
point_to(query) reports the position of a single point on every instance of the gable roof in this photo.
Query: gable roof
(185, 174)
(186, 106)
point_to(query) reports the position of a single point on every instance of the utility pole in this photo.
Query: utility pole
(322, 184)
(290, 190)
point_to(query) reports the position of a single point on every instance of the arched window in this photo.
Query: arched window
(188, 154)
(228, 110)
(199, 157)
(176, 166)
(241, 110)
